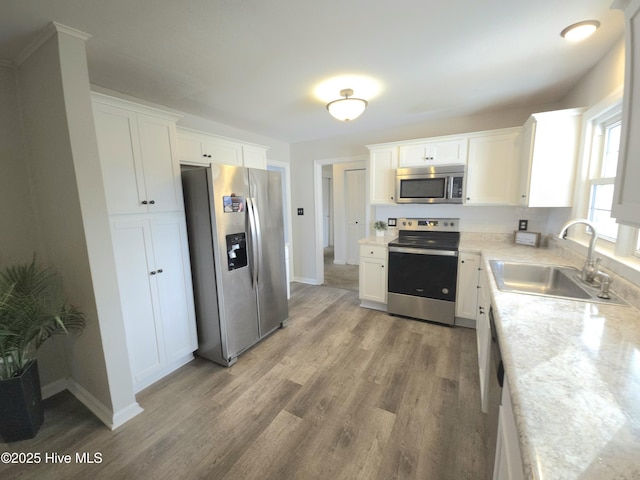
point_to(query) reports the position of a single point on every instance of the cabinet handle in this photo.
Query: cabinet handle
(159, 270)
(144, 202)
(153, 272)
(524, 196)
(152, 202)
(461, 261)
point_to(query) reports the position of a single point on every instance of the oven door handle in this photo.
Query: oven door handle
(424, 251)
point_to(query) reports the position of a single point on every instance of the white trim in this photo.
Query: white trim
(45, 34)
(286, 166)
(110, 418)
(54, 388)
(317, 198)
(133, 106)
(308, 281)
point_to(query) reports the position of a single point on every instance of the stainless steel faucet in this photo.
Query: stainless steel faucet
(590, 268)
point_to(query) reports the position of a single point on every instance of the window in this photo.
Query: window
(606, 144)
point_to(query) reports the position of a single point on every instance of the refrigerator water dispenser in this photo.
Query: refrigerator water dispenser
(236, 250)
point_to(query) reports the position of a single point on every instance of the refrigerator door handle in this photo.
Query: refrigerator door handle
(256, 214)
(256, 246)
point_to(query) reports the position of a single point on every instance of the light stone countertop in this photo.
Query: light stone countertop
(574, 373)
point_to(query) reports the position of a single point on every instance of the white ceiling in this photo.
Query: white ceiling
(254, 64)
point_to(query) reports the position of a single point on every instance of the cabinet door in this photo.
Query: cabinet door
(626, 198)
(175, 297)
(483, 334)
(161, 171)
(373, 279)
(254, 157)
(467, 290)
(449, 152)
(120, 159)
(383, 163)
(492, 170)
(221, 151)
(548, 159)
(445, 152)
(132, 244)
(191, 150)
(508, 460)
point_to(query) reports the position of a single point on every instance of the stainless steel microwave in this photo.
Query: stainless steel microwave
(437, 184)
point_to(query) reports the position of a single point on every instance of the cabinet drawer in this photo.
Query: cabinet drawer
(373, 251)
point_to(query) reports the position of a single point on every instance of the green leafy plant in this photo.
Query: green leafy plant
(32, 310)
(380, 225)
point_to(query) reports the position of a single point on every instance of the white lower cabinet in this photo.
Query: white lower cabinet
(483, 336)
(467, 287)
(154, 278)
(373, 273)
(508, 461)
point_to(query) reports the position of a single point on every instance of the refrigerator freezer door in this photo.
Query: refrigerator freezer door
(197, 205)
(229, 189)
(266, 193)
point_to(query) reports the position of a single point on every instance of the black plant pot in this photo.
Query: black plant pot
(21, 413)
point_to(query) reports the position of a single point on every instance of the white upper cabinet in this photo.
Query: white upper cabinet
(492, 168)
(626, 198)
(550, 147)
(437, 152)
(136, 145)
(383, 162)
(200, 148)
(254, 157)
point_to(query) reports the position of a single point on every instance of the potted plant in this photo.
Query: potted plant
(32, 310)
(380, 226)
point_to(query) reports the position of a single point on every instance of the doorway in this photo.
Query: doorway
(337, 259)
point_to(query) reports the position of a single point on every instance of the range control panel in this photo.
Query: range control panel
(429, 224)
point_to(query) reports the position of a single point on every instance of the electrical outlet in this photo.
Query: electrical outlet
(523, 224)
(392, 222)
(301, 211)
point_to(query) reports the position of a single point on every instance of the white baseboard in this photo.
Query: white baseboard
(373, 305)
(54, 388)
(148, 381)
(465, 322)
(308, 281)
(110, 418)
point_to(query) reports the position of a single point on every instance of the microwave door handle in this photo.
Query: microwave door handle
(449, 187)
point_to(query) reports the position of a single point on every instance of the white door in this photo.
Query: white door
(327, 220)
(355, 212)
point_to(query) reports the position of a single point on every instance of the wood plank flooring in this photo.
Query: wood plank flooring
(341, 393)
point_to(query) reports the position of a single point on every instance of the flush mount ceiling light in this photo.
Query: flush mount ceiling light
(347, 108)
(580, 31)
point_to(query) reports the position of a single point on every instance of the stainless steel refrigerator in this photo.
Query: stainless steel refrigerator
(236, 243)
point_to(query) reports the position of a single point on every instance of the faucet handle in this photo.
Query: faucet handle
(605, 283)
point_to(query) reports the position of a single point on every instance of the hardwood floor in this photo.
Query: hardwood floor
(341, 393)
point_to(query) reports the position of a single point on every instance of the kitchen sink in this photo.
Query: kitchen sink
(547, 280)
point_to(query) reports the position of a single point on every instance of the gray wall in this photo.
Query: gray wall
(18, 235)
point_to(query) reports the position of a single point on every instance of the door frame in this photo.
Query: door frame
(317, 192)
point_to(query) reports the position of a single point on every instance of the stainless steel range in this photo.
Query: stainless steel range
(423, 269)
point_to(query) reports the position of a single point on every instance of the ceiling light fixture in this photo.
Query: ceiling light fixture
(347, 108)
(580, 31)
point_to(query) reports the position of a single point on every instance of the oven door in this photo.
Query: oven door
(422, 283)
